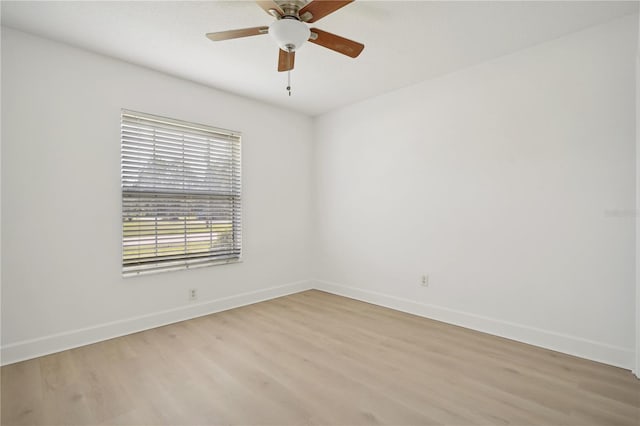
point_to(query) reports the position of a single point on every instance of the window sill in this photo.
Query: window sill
(178, 267)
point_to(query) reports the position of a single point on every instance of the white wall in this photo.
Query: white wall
(509, 183)
(0, 200)
(637, 211)
(61, 242)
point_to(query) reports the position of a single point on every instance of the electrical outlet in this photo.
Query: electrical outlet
(193, 294)
(424, 282)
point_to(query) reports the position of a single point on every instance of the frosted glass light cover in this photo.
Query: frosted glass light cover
(289, 33)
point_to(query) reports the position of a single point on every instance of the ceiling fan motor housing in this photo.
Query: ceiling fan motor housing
(289, 33)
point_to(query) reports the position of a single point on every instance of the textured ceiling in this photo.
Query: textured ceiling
(406, 42)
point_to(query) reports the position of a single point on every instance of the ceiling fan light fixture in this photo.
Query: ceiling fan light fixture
(289, 33)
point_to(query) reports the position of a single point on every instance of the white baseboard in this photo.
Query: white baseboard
(583, 348)
(596, 351)
(27, 349)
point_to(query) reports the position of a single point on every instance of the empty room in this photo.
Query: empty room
(310, 212)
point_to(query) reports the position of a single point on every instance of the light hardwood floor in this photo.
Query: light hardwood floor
(315, 358)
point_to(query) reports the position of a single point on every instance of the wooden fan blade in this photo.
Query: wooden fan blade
(269, 5)
(321, 8)
(243, 32)
(336, 43)
(286, 60)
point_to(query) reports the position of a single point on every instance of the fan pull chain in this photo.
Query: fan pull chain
(289, 82)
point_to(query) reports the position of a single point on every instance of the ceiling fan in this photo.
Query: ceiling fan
(290, 29)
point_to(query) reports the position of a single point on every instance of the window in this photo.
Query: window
(181, 194)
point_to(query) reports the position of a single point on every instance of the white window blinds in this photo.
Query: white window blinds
(181, 194)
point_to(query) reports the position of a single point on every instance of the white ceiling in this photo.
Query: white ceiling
(406, 41)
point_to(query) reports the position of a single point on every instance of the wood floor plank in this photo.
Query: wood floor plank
(314, 358)
(22, 393)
